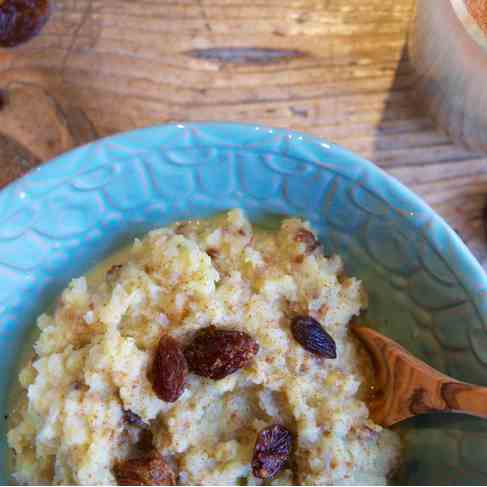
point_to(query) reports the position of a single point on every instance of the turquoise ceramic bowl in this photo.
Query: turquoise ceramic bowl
(426, 290)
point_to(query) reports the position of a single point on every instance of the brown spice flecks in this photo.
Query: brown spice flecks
(114, 272)
(478, 10)
(307, 237)
(213, 253)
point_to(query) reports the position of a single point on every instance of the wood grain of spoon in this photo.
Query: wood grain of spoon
(405, 386)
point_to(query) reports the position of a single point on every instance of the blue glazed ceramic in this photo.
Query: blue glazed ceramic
(426, 290)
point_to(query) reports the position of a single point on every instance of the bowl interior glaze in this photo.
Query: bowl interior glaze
(425, 288)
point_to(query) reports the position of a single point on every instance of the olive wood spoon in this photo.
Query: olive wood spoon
(405, 386)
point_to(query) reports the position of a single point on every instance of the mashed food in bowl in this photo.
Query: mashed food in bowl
(214, 353)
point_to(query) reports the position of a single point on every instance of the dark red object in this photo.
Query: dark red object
(148, 470)
(216, 353)
(20, 20)
(272, 451)
(169, 370)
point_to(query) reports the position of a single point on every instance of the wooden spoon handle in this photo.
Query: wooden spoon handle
(460, 397)
(406, 386)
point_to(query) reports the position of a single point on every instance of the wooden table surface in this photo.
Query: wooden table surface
(334, 68)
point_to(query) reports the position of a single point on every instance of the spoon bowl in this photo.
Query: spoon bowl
(406, 386)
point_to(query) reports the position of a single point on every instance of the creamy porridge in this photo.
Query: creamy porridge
(213, 353)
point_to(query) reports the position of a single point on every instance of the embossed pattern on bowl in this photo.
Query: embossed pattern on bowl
(425, 288)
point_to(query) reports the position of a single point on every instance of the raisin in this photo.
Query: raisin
(147, 470)
(271, 452)
(20, 20)
(312, 337)
(307, 237)
(216, 353)
(133, 419)
(169, 370)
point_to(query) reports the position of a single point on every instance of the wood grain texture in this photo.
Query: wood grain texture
(334, 68)
(405, 386)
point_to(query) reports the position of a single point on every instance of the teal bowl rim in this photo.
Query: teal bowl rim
(468, 270)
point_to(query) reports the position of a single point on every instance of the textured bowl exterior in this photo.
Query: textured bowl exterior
(425, 288)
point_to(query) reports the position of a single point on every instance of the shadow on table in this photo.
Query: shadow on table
(402, 118)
